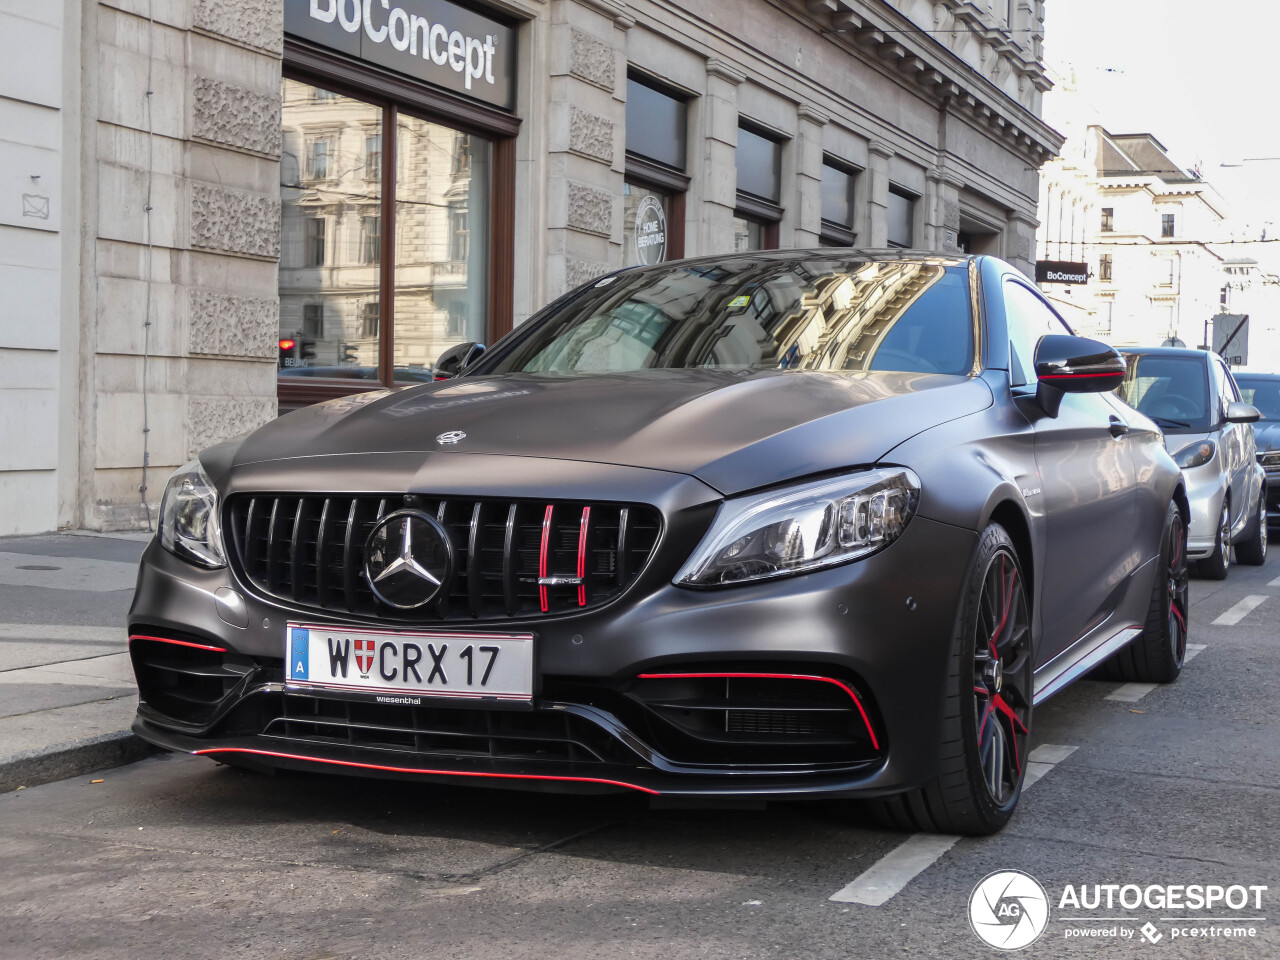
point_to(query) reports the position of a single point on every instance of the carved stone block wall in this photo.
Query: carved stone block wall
(591, 59)
(578, 272)
(255, 23)
(225, 113)
(591, 134)
(232, 326)
(234, 221)
(590, 209)
(211, 420)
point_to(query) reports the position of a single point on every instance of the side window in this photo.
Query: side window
(1029, 318)
(1224, 387)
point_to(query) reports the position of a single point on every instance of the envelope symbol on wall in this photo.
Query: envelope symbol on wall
(34, 205)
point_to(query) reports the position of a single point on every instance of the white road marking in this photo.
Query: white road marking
(1274, 583)
(1193, 650)
(1131, 692)
(887, 876)
(62, 631)
(1239, 611)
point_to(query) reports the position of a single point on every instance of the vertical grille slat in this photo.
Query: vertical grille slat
(309, 551)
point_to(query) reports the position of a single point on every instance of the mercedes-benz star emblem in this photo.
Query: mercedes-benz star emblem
(451, 436)
(407, 558)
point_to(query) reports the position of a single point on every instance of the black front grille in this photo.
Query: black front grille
(309, 551)
(434, 731)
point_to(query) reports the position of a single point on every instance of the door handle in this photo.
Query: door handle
(1118, 427)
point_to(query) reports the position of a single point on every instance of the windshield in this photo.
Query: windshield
(1263, 393)
(1171, 390)
(748, 313)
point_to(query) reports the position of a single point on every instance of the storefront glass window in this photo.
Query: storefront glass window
(442, 242)
(747, 235)
(329, 249)
(900, 215)
(645, 224)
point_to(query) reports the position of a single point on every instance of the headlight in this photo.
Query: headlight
(803, 528)
(189, 525)
(1195, 454)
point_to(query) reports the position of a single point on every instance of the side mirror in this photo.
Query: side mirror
(1238, 412)
(1074, 365)
(456, 359)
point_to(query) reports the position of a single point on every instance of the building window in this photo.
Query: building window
(370, 239)
(1166, 224)
(1104, 267)
(837, 204)
(1108, 219)
(324, 95)
(313, 255)
(461, 155)
(654, 189)
(901, 216)
(373, 157)
(318, 151)
(370, 316)
(459, 232)
(759, 162)
(313, 321)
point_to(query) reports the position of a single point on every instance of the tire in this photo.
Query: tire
(987, 715)
(1158, 654)
(1215, 566)
(1254, 550)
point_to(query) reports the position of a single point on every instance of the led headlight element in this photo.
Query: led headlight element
(798, 529)
(189, 525)
(1195, 454)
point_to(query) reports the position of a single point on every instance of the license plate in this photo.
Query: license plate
(411, 664)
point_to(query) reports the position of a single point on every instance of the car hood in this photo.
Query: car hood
(734, 431)
(1266, 434)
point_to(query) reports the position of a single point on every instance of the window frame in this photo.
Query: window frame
(912, 198)
(833, 232)
(1168, 226)
(394, 94)
(766, 213)
(1108, 220)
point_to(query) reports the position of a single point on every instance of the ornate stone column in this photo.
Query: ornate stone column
(879, 155)
(808, 147)
(720, 144)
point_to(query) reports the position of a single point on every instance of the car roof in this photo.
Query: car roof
(1167, 352)
(820, 253)
(1255, 375)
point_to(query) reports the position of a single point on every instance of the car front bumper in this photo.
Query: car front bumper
(1206, 487)
(880, 629)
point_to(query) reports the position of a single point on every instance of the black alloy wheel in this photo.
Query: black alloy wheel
(1215, 566)
(1002, 678)
(987, 722)
(1158, 654)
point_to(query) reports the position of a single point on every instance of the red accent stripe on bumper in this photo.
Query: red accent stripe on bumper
(443, 773)
(773, 676)
(178, 643)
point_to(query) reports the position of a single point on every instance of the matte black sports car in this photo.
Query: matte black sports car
(784, 525)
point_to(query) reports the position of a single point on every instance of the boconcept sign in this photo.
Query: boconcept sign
(432, 40)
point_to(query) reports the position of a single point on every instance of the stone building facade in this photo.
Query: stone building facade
(193, 184)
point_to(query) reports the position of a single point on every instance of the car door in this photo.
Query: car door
(1092, 499)
(1238, 440)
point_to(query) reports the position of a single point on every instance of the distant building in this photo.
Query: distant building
(1143, 227)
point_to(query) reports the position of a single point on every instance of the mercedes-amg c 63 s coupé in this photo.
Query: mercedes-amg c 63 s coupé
(779, 525)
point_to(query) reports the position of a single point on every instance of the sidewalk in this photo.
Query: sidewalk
(67, 695)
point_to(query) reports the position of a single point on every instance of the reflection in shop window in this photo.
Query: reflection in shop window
(459, 234)
(370, 239)
(373, 157)
(315, 242)
(318, 158)
(313, 321)
(370, 313)
(461, 155)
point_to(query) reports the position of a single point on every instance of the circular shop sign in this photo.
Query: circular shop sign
(651, 231)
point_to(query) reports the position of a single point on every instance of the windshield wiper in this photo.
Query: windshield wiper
(1166, 422)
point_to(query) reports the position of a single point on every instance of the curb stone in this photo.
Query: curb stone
(71, 759)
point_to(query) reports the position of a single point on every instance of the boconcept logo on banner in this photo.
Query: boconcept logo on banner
(434, 40)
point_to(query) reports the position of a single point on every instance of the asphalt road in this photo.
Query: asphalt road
(176, 857)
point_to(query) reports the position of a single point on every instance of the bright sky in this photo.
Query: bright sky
(1202, 77)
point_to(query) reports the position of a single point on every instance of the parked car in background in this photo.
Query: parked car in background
(795, 524)
(1192, 397)
(1263, 391)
